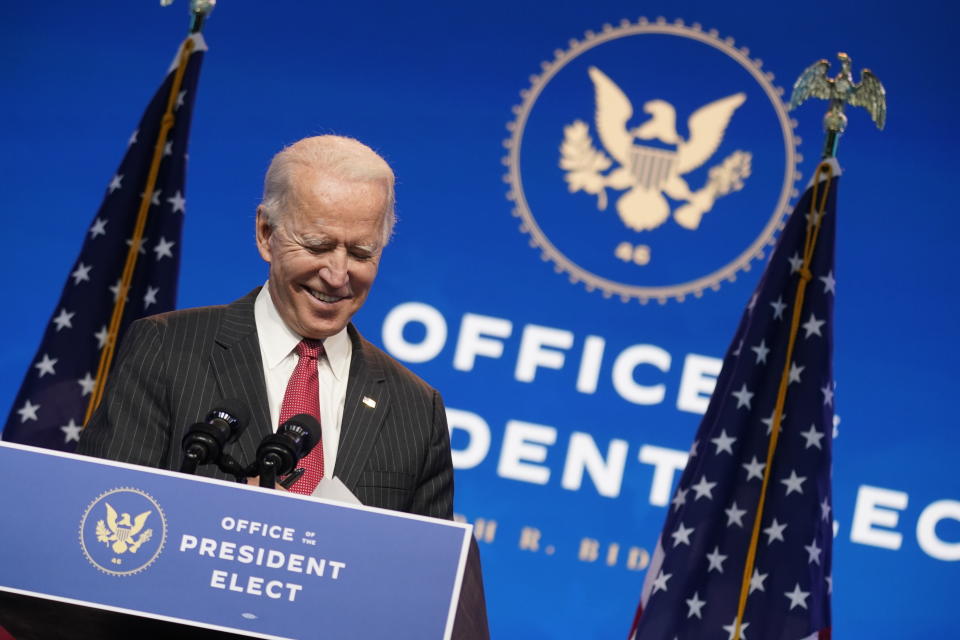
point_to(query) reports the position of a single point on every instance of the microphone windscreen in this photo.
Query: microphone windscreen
(305, 428)
(233, 411)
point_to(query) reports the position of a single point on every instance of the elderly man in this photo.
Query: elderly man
(289, 347)
(326, 214)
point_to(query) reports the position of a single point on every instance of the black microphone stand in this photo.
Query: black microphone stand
(268, 472)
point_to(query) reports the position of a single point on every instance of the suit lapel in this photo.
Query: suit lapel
(238, 368)
(366, 405)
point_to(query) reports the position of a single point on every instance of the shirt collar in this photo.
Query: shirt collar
(277, 341)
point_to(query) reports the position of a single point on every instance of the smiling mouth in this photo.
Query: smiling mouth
(322, 297)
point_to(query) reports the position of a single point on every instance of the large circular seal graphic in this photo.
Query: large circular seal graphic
(652, 160)
(123, 531)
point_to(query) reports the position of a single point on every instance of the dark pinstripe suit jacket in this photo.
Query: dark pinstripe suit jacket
(172, 368)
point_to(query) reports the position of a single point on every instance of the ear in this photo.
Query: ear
(263, 233)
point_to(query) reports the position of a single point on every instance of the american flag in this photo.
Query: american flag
(693, 585)
(49, 409)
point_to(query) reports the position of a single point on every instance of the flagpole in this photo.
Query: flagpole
(199, 10)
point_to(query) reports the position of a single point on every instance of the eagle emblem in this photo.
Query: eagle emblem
(120, 533)
(649, 173)
(840, 91)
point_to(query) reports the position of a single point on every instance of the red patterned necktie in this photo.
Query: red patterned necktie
(303, 396)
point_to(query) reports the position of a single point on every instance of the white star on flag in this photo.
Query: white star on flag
(28, 411)
(704, 489)
(794, 482)
(681, 535)
(115, 182)
(778, 307)
(795, 372)
(133, 137)
(71, 431)
(140, 248)
(168, 148)
(660, 583)
(115, 289)
(813, 437)
(81, 273)
(797, 597)
(796, 262)
(45, 365)
(102, 335)
(769, 421)
(86, 384)
(695, 604)
(715, 558)
(154, 199)
(732, 629)
(761, 350)
(827, 391)
(754, 468)
(743, 397)
(723, 442)
(814, 552)
(829, 284)
(178, 203)
(180, 97)
(735, 515)
(99, 228)
(63, 320)
(812, 326)
(680, 498)
(775, 531)
(756, 581)
(163, 248)
(150, 297)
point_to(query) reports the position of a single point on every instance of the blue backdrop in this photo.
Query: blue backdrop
(437, 90)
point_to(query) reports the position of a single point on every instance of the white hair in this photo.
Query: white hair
(338, 156)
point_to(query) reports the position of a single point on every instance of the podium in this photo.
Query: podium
(105, 543)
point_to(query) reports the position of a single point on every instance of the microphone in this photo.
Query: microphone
(279, 452)
(204, 441)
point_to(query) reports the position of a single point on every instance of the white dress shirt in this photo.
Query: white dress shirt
(278, 351)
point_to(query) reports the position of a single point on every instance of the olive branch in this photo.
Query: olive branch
(583, 163)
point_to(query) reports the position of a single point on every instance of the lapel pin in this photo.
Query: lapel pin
(370, 402)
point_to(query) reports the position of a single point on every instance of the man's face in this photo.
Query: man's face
(324, 251)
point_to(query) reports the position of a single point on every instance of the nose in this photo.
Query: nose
(335, 272)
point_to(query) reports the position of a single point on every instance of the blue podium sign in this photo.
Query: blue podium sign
(224, 556)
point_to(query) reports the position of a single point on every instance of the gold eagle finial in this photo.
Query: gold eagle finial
(840, 90)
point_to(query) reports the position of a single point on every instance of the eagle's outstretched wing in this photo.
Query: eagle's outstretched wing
(111, 517)
(613, 111)
(871, 94)
(138, 522)
(812, 82)
(707, 126)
